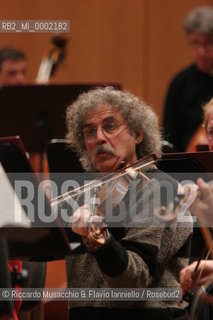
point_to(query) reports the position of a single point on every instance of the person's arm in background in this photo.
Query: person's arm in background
(203, 207)
(189, 278)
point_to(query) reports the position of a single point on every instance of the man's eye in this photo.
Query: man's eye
(108, 127)
(90, 132)
(12, 73)
(210, 133)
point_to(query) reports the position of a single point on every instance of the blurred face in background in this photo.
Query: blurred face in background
(210, 131)
(13, 72)
(202, 50)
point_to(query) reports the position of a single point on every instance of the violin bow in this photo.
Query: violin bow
(144, 162)
(201, 293)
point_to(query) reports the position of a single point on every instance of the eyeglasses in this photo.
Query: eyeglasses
(207, 46)
(108, 127)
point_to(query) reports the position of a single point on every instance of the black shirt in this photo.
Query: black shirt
(183, 113)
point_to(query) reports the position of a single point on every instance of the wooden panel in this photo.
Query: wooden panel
(106, 39)
(139, 43)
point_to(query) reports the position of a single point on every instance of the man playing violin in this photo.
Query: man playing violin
(109, 128)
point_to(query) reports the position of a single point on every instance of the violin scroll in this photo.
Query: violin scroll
(169, 214)
(52, 59)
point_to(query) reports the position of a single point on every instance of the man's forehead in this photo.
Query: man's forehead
(13, 64)
(100, 113)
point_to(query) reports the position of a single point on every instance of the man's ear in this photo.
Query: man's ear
(139, 136)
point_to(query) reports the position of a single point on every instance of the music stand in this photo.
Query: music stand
(64, 163)
(202, 160)
(40, 241)
(61, 158)
(37, 112)
(187, 166)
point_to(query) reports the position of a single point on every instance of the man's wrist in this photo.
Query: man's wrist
(96, 239)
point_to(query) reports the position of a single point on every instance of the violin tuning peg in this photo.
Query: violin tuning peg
(122, 165)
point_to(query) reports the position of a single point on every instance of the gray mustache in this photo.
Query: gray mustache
(104, 148)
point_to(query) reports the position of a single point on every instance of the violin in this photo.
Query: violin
(110, 189)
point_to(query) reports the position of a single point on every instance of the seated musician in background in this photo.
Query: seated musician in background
(208, 122)
(204, 207)
(13, 66)
(108, 127)
(192, 86)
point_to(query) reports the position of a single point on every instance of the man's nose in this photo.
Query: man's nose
(20, 78)
(201, 50)
(100, 136)
(210, 146)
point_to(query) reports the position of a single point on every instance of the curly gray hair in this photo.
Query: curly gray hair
(135, 112)
(200, 20)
